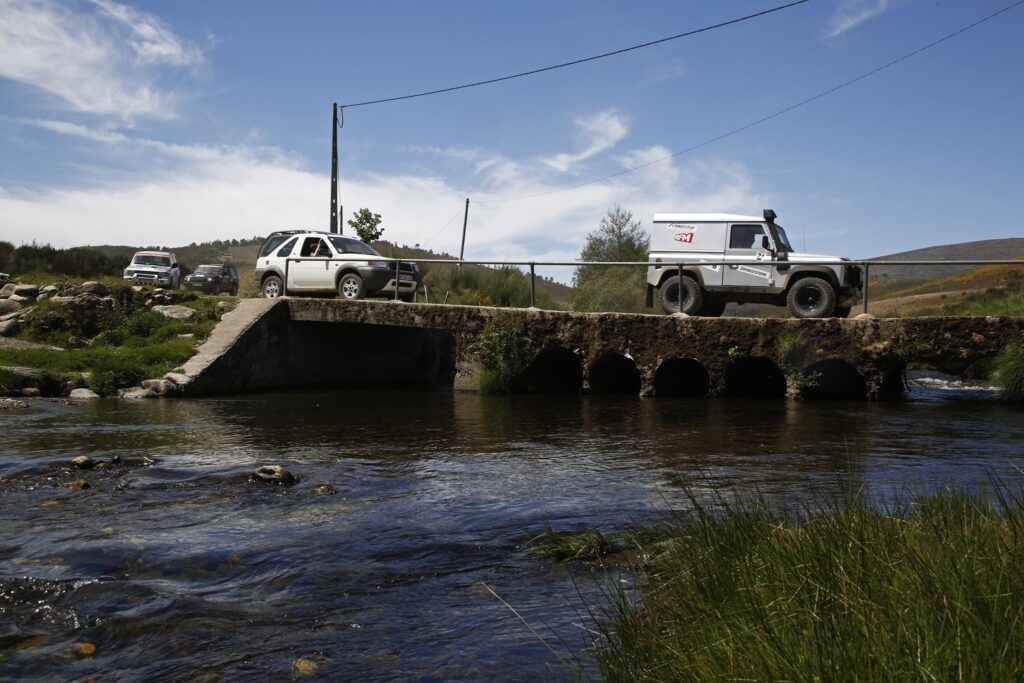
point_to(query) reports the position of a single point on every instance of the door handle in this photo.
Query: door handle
(733, 267)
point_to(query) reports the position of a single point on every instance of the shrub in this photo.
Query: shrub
(1009, 371)
(500, 348)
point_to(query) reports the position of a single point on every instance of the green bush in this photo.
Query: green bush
(501, 352)
(1008, 371)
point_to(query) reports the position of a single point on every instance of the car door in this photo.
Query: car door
(747, 246)
(311, 268)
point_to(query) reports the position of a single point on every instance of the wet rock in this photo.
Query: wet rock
(272, 474)
(85, 649)
(137, 393)
(93, 288)
(27, 291)
(75, 484)
(326, 490)
(303, 668)
(175, 312)
(10, 328)
(31, 392)
(83, 462)
(160, 387)
(8, 306)
(83, 394)
(12, 404)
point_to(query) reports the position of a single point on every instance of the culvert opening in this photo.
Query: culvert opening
(356, 355)
(554, 371)
(755, 378)
(681, 377)
(834, 379)
(614, 373)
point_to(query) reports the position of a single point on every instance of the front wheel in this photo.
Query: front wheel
(811, 297)
(272, 287)
(689, 302)
(351, 287)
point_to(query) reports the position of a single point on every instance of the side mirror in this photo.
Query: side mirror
(765, 242)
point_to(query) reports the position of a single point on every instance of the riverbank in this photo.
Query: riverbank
(929, 587)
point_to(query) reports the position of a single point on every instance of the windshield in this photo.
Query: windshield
(208, 270)
(346, 245)
(782, 236)
(151, 260)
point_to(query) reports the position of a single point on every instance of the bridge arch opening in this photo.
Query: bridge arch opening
(555, 370)
(614, 373)
(754, 377)
(681, 377)
(834, 379)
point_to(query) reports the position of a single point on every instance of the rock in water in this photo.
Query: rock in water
(82, 394)
(83, 462)
(272, 474)
(76, 484)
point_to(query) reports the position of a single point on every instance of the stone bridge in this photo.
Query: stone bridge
(307, 342)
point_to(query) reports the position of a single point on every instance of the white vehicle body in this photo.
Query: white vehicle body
(158, 268)
(725, 253)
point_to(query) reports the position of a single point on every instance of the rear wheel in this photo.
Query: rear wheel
(689, 303)
(272, 287)
(351, 287)
(811, 297)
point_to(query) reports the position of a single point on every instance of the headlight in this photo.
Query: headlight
(379, 264)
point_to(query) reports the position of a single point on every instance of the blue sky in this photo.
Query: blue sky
(159, 122)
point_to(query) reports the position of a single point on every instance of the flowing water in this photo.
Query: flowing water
(176, 567)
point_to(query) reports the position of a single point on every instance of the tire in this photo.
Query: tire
(843, 311)
(811, 297)
(712, 308)
(351, 287)
(234, 289)
(272, 287)
(692, 299)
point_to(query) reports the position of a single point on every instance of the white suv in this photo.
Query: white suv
(158, 268)
(309, 262)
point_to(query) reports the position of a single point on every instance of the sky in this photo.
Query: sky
(170, 123)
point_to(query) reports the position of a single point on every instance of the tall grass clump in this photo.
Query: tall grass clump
(930, 590)
(1008, 371)
(501, 352)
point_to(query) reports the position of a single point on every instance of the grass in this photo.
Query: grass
(1007, 299)
(580, 546)
(143, 345)
(931, 589)
(500, 347)
(1008, 371)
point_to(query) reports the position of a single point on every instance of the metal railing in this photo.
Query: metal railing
(679, 266)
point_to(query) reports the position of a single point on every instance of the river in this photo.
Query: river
(176, 567)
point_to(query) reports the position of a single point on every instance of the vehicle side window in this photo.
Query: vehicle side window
(287, 248)
(272, 244)
(746, 237)
(314, 246)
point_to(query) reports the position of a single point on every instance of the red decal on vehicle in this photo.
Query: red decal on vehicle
(685, 237)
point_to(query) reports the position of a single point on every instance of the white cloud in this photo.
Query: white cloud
(598, 132)
(202, 193)
(98, 63)
(852, 13)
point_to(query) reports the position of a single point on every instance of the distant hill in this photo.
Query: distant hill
(1007, 248)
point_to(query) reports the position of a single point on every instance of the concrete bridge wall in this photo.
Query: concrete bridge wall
(327, 342)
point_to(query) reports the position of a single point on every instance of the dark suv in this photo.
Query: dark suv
(215, 278)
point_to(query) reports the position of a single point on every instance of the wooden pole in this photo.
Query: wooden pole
(465, 219)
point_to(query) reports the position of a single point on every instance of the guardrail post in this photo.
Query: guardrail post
(398, 276)
(533, 286)
(864, 291)
(679, 287)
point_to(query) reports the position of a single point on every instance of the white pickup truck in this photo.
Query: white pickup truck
(722, 256)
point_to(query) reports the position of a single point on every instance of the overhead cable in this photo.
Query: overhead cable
(579, 61)
(763, 119)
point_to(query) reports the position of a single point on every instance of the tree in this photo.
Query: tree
(367, 225)
(619, 237)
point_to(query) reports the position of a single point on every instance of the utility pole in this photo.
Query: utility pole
(465, 219)
(334, 172)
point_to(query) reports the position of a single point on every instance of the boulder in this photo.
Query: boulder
(177, 377)
(160, 387)
(49, 289)
(272, 474)
(43, 296)
(21, 298)
(175, 312)
(326, 490)
(7, 290)
(31, 392)
(8, 306)
(29, 291)
(137, 392)
(82, 394)
(93, 288)
(10, 328)
(76, 484)
(864, 316)
(17, 378)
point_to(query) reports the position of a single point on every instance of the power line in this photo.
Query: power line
(579, 61)
(764, 119)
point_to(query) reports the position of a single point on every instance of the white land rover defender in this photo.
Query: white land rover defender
(722, 257)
